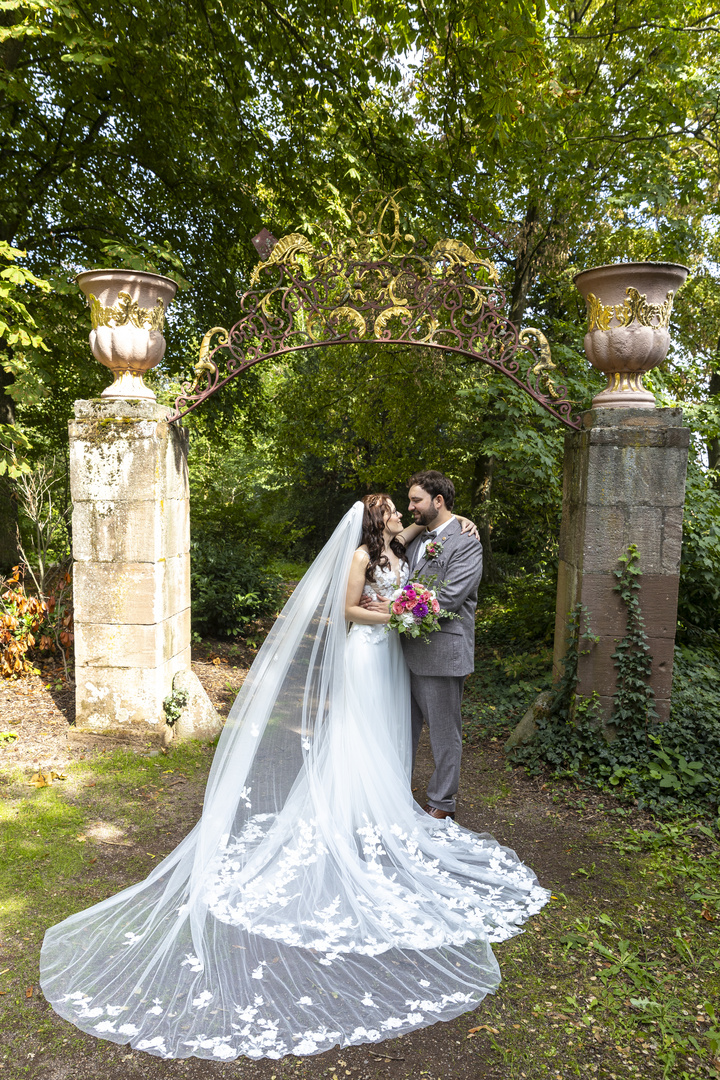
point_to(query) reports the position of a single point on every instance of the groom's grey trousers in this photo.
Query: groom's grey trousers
(436, 699)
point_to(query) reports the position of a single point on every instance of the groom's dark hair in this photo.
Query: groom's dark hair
(435, 483)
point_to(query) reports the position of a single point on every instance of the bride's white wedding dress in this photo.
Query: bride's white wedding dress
(315, 903)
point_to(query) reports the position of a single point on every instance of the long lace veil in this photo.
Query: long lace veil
(274, 734)
(311, 905)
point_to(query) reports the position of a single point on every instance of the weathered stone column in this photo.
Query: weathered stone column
(131, 550)
(624, 484)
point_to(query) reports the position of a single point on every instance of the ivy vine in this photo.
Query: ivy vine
(634, 701)
(173, 705)
(564, 702)
(671, 767)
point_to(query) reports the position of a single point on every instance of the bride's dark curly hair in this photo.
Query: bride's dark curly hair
(373, 530)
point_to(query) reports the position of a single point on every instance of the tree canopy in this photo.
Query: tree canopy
(547, 136)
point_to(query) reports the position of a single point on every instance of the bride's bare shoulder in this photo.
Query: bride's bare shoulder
(362, 554)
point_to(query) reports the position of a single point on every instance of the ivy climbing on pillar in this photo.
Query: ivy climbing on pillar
(634, 700)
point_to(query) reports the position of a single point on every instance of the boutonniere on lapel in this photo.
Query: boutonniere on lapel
(434, 549)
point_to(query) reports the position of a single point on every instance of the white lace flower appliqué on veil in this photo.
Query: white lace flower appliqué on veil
(448, 911)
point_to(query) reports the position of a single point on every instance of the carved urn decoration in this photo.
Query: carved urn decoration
(628, 308)
(127, 312)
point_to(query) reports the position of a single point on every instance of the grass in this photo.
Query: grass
(287, 569)
(619, 977)
(59, 852)
(501, 792)
(623, 980)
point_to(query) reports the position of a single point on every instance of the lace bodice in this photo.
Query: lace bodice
(385, 583)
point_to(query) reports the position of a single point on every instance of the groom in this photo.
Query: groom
(438, 669)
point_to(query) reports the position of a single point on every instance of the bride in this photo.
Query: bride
(315, 903)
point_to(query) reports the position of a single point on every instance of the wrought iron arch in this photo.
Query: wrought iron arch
(307, 295)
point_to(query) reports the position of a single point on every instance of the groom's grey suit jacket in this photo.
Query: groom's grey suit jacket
(452, 650)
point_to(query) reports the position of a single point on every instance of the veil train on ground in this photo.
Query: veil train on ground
(314, 904)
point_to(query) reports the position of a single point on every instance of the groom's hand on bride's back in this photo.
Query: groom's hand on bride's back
(381, 604)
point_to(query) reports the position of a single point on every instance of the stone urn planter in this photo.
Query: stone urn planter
(127, 311)
(628, 307)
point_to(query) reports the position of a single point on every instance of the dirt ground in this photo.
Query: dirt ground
(40, 709)
(558, 836)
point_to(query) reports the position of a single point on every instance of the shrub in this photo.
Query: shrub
(31, 625)
(502, 688)
(519, 609)
(699, 599)
(21, 617)
(229, 586)
(670, 768)
(676, 767)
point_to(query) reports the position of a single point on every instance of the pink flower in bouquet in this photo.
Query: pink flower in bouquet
(398, 607)
(435, 607)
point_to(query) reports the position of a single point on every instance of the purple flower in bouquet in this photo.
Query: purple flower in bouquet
(420, 611)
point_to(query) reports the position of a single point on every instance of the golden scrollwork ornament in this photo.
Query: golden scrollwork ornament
(285, 252)
(126, 310)
(205, 366)
(544, 364)
(634, 309)
(379, 287)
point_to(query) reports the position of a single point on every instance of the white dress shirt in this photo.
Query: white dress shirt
(432, 536)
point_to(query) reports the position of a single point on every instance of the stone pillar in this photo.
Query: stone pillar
(131, 550)
(624, 483)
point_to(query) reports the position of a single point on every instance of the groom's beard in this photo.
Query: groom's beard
(425, 518)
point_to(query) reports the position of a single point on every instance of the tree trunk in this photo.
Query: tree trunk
(8, 504)
(524, 266)
(10, 51)
(713, 445)
(482, 485)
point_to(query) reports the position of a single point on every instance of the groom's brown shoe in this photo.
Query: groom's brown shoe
(434, 812)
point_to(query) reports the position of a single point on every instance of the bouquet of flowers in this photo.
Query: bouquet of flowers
(415, 610)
